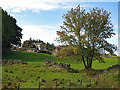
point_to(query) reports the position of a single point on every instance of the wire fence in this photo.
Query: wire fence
(89, 82)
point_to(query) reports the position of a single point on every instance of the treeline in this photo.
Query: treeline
(32, 43)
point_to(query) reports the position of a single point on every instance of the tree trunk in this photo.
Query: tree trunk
(87, 61)
(90, 63)
(84, 61)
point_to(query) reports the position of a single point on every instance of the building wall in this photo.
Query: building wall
(41, 46)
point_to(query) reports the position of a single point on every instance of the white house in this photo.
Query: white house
(41, 46)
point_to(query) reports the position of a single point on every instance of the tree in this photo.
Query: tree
(28, 44)
(11, 33)
(87, 33)
(50, 46)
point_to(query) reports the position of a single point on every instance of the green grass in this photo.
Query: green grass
(27, 75)
(74, 61)
(26, 56)
(34, 69)
(108, 63)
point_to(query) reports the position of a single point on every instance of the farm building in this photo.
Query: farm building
(40, 46)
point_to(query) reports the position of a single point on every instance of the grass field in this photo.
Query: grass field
(73, 61)
(29, 76)
(26, 56)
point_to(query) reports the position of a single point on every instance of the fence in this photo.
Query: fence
(82, 82)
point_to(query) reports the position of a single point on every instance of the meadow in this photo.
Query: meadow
(35, 74)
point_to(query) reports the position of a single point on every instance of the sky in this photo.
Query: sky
(40, 19)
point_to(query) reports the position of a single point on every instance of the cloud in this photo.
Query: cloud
(15, 10)
(72, 6)
(115, 36)
(37, 11)
(36, 5)
(42, 32)
(115, 26)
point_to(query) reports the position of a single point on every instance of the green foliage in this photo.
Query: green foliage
(11, 33)
(87, 32)
(65, 51)
(49, 46)
(28, 44)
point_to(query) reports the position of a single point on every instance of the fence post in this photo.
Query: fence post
(98, 77)
(107, 75)
(90, 81)
(18, 86)
(81, 82)
(39, 85)
(104, 77)
(70, 85)
(113, 74)
(56, 83)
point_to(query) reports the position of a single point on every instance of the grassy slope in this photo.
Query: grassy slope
(40, 57)
(27, 75)
(26, 56)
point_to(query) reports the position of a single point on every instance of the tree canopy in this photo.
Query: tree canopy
(11, 32)
(87, 33)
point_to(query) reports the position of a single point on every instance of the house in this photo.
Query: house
(31, 50)
(40, 46)
(36, 47)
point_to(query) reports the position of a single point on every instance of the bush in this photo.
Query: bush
(64, 52)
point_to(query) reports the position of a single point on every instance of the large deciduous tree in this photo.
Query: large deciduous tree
(11, 32)
(87, 33)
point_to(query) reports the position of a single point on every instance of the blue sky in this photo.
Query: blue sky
(40, 19)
